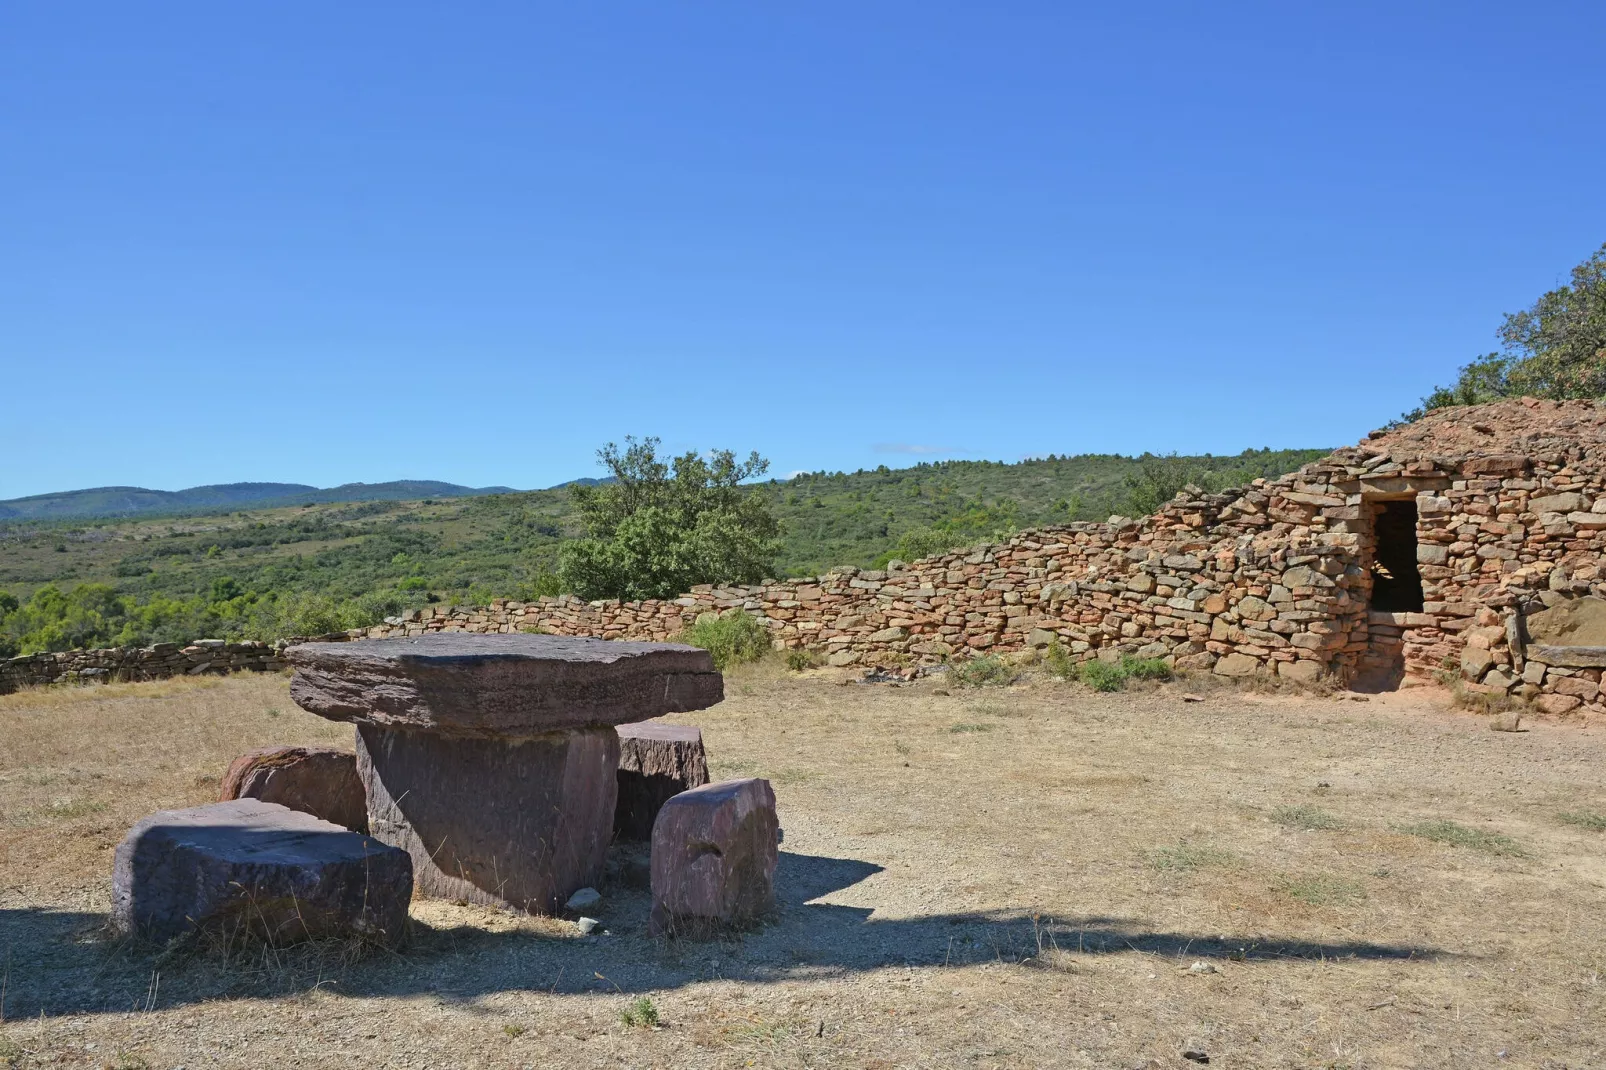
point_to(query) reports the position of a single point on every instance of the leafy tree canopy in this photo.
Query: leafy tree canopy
(1554, 349)
(656, 529)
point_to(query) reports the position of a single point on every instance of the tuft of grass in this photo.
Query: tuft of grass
(965, 727)
(732, 637)
(1307, 817)
(1186, 856)
(800, 657)
(642, 1013)
(1584, 819)
(1058, 661)
(67, 809)
(514, 1031)
(1321, 890)
(985, 671)
(1456, 835)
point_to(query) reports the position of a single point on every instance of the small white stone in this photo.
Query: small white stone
(587, 925)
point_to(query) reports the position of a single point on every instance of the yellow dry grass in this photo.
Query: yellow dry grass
(1033, 893)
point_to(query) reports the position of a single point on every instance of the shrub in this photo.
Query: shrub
(732, 637)
(801, 657)
(1146, 668)
(1058, 661)
(1101, 675)
(987, 670)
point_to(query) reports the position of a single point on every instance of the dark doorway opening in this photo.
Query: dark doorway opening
(1396, 583)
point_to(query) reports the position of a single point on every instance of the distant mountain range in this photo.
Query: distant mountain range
(138, 501)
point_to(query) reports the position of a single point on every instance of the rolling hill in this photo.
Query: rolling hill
(99, 502)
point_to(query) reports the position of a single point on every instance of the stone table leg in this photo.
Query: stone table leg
(518, 822)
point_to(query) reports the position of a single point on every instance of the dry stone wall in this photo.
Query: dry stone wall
(137, 663)
(1276, 577)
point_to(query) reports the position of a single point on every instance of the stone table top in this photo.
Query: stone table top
(500, 685)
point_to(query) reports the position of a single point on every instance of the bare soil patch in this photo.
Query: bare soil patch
(998, 877)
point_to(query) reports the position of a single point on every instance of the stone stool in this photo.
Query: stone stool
(262, 868)
(492, 759)
(656, 763)
(714, 850)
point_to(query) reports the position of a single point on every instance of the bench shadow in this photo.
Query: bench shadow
(63, 963)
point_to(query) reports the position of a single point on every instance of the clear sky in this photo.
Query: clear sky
(329, 242)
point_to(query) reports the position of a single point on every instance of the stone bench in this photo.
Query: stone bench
(492, 759)
(247, 866)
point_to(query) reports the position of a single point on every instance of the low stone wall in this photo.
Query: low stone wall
(157, 662)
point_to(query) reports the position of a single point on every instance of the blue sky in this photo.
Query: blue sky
(333, 242)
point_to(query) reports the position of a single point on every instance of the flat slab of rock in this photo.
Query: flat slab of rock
(321, 781)
(714, 850)
(500, 685)
(521, 823)
(247, 866)
(656, 762)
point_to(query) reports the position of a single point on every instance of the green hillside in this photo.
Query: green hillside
(315, 566)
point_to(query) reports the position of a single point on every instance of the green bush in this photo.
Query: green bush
(1146, 668)
(1058, 661)
(987, 670)
(1101, 675)
(731, 637)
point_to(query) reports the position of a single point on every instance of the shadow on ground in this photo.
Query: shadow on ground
(61, 962)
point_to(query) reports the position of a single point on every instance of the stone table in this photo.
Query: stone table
(492, 759)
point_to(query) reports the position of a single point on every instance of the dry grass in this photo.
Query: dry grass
(1035, 894)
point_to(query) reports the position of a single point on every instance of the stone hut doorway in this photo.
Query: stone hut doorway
(1396, 581)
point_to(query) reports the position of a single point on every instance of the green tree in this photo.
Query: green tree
(655, 529)
(1554, 349)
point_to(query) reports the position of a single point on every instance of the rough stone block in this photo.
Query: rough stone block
(714, 850)
(1556, 705)
(520, 822)
(249, 866)
(320, 781)
(1304, 672)
(500, 685)
(656, 762)
(1237, 665)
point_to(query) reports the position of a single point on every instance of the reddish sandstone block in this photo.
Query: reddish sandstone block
(320, 781)
(714, 850)
(656, 762)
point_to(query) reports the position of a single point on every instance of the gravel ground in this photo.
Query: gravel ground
(1026, 876)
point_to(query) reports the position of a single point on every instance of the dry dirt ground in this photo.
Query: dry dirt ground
(1000, 877)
